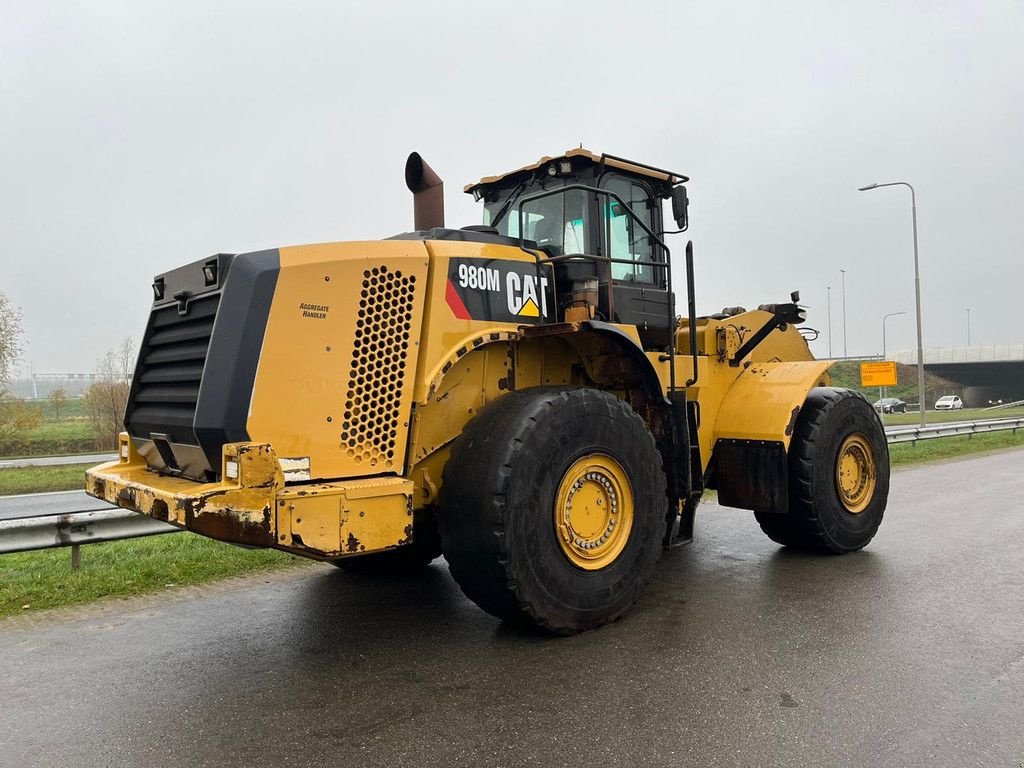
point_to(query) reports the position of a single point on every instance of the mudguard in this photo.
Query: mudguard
(765, 400)
(753, 431)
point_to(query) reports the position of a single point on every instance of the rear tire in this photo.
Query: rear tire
(515, 542)
(838, 476)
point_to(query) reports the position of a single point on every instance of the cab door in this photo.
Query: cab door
(639, 295)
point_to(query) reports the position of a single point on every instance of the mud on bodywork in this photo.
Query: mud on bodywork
(239, 511)
(253, 505)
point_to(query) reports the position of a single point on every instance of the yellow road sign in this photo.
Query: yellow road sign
(878, 374)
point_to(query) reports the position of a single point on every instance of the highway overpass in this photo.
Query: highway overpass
(987, 373)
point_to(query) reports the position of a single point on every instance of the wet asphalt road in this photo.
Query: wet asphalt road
(910, 653)
(46, 504)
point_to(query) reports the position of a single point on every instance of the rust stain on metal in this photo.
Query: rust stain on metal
(408, 536)
(227, 524)
(352, 544)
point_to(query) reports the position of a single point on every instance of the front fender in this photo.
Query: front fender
(765, 400)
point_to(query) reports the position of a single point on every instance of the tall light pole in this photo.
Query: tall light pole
(968, 326)
(830, 322)
(845, 354)
(917, 289)
(884, 318)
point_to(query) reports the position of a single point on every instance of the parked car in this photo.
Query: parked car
(890, 405)
(949, 403)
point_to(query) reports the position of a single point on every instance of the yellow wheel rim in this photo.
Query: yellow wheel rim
(594, 512)
(855, 473)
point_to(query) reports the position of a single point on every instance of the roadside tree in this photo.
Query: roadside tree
(16, 416)
(58, 399)
(106, 398)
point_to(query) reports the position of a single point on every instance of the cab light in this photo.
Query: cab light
(210, 272)
(231, 470)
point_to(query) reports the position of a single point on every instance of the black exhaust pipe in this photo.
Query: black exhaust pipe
(428, 193)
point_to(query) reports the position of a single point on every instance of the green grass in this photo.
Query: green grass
(74, 407)
(952, 447)
(65, 429)
(52, 438)
(33, 581)
(61, 477)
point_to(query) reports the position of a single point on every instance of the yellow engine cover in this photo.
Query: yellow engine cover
(339, 356)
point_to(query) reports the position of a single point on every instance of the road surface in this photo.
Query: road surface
(910, 653)
(49, 461)
(43, 504)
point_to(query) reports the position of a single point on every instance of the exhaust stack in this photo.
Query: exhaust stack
(428, 193)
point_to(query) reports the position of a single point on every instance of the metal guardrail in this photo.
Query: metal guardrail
(955, 429)
(75, 528)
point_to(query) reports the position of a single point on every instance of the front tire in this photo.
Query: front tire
(838, 476)
(553, 508)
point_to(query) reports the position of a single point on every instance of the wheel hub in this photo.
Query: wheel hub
(593, 511)
(855, 473)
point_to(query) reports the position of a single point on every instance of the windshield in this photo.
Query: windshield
(559, 223)
(555, 223)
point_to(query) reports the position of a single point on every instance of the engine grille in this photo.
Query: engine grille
(170, 368)
(381, 348)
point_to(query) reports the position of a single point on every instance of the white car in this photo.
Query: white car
(949, 403)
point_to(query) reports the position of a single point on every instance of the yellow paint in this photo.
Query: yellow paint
(312, 372)
(855, 473)
(530, 309)
(348, 518)
(322, 520)
(593, 512)
(764, 400)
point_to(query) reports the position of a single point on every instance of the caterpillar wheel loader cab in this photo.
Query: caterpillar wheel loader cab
(520, 395)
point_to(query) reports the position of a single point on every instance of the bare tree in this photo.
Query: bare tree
(16, 417)
(106, 398)
(10, 339)
(58, 399)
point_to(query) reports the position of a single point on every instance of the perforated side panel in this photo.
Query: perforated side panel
(377, 374)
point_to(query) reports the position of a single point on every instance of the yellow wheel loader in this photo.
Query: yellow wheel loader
(519, 396)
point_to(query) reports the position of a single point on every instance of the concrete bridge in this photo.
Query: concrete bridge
(987, 373)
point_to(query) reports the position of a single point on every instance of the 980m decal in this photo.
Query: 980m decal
(500, 290)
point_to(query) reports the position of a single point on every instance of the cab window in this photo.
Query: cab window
(628, 239)
(555, 223)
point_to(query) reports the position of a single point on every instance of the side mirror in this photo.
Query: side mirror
(680, 204)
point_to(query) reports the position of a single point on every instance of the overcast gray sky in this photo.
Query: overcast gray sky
(138, 136)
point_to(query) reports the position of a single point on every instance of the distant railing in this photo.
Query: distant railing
(996, 353)
(913, 434)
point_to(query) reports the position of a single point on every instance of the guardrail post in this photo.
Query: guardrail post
(76, 556)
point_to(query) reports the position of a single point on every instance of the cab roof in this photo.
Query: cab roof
(611, 161)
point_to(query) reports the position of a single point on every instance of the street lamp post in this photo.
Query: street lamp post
(881, 390)
(917, 289)
(968, 326)
(845, 353)
(830, 322)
